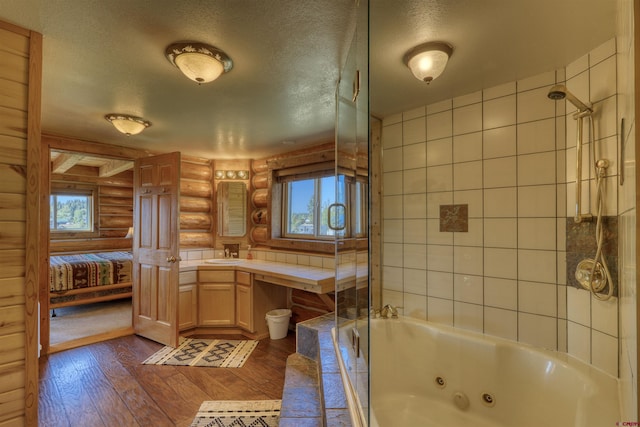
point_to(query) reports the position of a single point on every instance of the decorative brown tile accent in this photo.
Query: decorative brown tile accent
(581, 244)
(454, 218)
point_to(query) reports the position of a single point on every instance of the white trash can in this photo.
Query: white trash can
(278, 322)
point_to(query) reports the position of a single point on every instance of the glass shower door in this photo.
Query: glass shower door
(350, 212)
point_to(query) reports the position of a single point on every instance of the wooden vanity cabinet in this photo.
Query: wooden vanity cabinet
(188, 300)
(254, 299)
(244, 300)
(228, 298)
(216, 298)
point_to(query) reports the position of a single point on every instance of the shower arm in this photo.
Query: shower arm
(579, 216)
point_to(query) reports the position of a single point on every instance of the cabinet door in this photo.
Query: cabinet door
(188, 306)
(216, 304)
(244, 309)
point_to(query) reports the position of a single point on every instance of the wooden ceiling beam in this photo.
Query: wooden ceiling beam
(114, 167)
(65, 161)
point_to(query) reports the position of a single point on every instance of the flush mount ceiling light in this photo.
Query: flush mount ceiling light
(200, 62)
(428, 60)
(129, 125)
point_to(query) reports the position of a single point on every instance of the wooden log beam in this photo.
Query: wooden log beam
(93, 245)
(113, 180)
(260, 198)
(122, 210)
(195, 171)
(195, 204)
(114, 167)
(259, 234)
(113, 191)
(124, 201)
(93, 148)
(260, 180)
(259, 166)
(195, 221)
(65, 161)
(195, 189)
(195, 240)
(116, 221)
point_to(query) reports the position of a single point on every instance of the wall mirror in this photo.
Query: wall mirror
(232, 209)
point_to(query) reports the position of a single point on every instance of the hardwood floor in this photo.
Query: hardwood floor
(105, 384)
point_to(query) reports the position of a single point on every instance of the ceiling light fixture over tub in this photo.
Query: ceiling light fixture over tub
(428, 60)
(200, 62)
(129, 125)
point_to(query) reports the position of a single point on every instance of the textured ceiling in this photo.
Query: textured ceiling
(107, 57)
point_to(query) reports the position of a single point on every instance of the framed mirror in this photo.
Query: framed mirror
(232, 209)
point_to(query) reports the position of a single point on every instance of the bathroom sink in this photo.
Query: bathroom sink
(223, 261)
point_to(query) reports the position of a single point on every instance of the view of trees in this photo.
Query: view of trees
(305, 204)
(70, 212)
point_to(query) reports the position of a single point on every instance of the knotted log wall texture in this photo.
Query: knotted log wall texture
(196, 203)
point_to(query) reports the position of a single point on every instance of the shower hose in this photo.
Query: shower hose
(601, 172)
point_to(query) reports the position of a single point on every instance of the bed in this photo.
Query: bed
(87, 278)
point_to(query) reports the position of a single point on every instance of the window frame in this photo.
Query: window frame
(309, 163)
(91, 192)
(317, 214)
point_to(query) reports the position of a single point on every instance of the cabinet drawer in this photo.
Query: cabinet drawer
(219, 276)
(243, 277)
(187, 277)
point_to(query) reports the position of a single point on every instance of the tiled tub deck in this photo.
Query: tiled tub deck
(313, 393)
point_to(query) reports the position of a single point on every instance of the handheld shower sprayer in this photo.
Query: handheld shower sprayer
(592, 274)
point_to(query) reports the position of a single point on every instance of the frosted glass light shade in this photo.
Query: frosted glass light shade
(428, 60)
(199, 62)
(199, 68)
(129, 125)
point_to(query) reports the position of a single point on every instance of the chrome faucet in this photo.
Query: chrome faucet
(226, 253)
(389, 311)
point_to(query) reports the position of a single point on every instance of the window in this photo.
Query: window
(72, 210)
(318, 208)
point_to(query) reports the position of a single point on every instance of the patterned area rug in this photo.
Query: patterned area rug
(205, 352)
(234, 413)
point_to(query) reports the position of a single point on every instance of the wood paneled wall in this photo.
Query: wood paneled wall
(196, 203)
(20, 88)
(115, 210)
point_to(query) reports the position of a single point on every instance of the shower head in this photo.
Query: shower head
(559, 92)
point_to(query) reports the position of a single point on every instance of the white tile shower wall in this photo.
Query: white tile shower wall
(504, 152)
(627, 213)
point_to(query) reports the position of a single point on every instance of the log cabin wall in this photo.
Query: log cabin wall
(196, 203)
(115, 210)
(259, 206)
(20, 92)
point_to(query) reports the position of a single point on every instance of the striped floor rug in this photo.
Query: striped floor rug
(234, 413)
(205, 352)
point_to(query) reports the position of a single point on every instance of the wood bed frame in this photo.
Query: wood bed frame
(88, 295)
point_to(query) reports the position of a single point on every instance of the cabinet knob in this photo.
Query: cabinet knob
(171, 259)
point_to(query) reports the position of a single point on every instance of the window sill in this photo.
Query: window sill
(318, 246)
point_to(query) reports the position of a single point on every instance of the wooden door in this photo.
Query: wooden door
(156, 248)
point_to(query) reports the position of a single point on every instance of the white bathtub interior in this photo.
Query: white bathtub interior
(427, 374)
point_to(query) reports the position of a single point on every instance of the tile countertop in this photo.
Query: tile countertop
(312, 279)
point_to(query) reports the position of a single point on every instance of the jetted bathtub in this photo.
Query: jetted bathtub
(424, 374)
